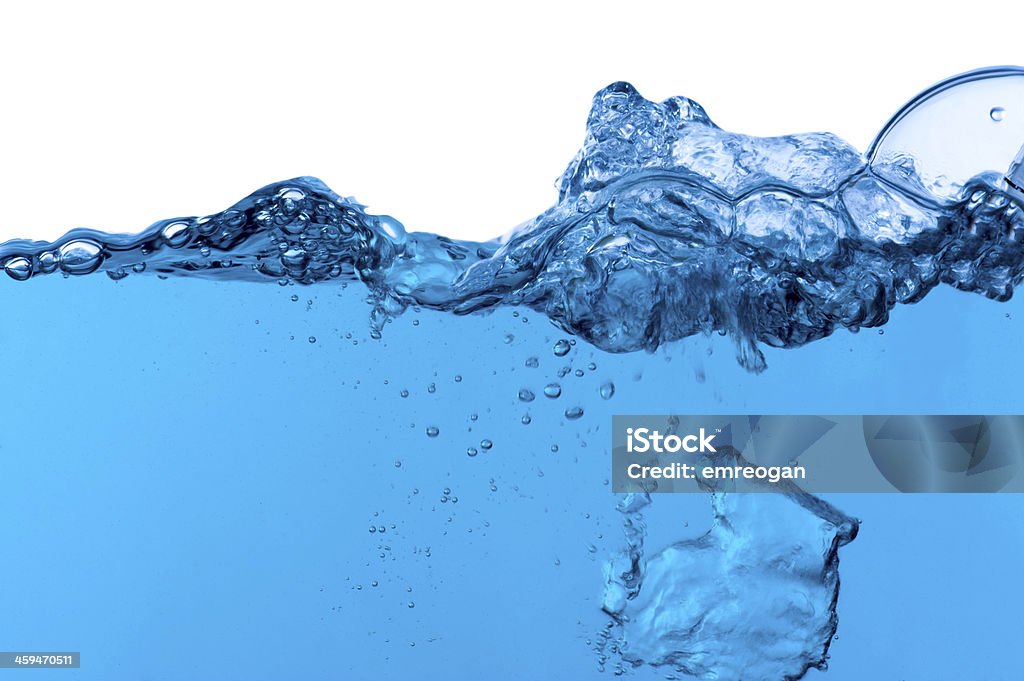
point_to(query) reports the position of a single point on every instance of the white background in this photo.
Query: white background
(454, 119)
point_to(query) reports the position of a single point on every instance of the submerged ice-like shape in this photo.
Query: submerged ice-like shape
(754, 598)
(665, 226)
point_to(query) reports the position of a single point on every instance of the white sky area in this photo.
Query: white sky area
(453, 119)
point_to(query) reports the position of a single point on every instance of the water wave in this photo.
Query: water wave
(665, 226)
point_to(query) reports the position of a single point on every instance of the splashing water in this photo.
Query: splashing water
(665, 226)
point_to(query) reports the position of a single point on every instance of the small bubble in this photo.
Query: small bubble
(592, 366)
(526, 420)
(471, 451)
(561, 348)
(295, 298)
(373, 529)
(607, 390)
(579, 373)
(412, 605)
(532, 362)
(881, 332)
(553, 390)
(432, 431)
(486, 444)
(432, 388)
(312, 339)
(404, 393)
(458, 378)
(509, 338)
(997, 113)
(474, 417)
(554, 448)
(398, 464)
(573, 413)
(526, 395)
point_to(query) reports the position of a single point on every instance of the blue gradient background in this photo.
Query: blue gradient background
(187, 486)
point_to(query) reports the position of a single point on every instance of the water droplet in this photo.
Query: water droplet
(432, 431)
(552, 390)
(561, 348)
(573, 413)
(526, 395)
(607, 390)
(486, 444)
(997, 113)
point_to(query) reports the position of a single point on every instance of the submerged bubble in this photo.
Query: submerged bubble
(607, 390)
(561, 348)
(433, 431)
(532, 362)
(573, 413)
(552, 390)
(526, 395)
(996, 113)
(486, 444)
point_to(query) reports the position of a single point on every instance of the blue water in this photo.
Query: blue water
(214, 476)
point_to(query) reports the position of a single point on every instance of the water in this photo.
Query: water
(208, 473)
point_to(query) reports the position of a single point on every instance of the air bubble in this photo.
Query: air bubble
(573, 413)
(532, 362)
(607, 390)
(176, 234)
(486, 444)
(561, 348)
(80, 256)
(552, 390)
(997, 113)
(18, 268)
(433, 431)
(526, 395)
